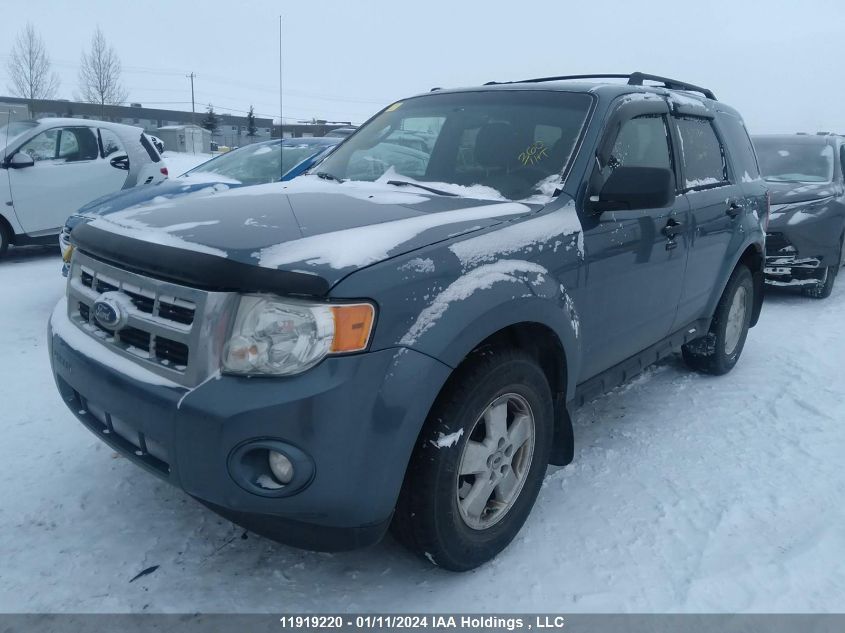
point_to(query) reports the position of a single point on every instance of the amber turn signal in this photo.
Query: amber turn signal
(353, 325)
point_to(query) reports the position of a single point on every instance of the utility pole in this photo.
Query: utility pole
(193, 114)
(281, 110)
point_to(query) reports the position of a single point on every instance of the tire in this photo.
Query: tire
(5, 237)
(435, 515)
(718, 351)
(824, 286)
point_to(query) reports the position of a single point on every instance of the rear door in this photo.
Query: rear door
(716, 202)
(634, 259)
(69, 171)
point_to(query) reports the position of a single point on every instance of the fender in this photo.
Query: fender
(754, 240)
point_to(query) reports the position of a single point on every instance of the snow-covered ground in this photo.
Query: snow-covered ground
(688, 493)
(180, 162)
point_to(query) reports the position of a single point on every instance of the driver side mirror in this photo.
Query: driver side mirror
(630, 188)
(20, 160)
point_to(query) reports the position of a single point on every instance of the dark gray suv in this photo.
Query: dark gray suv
(398, 338)
(804, 244)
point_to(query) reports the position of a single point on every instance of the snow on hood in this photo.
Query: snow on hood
(308, 225)
(365, 245)
(789, 192)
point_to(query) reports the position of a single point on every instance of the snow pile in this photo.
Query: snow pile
(180, 162)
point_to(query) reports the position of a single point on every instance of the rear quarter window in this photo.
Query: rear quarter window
(151, 150)
(743, 155)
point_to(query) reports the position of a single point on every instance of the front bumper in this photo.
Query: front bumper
(356, 418)
(786, 266)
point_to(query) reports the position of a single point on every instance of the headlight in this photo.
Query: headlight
(282, 337)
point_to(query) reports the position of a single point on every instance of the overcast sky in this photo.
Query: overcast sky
(780, 63)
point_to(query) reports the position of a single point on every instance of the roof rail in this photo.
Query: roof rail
(634, 79)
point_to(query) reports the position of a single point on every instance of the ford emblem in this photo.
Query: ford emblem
(111, 311)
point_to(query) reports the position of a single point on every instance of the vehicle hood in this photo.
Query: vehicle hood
(305, 227)
(148, 195)
(789, 192)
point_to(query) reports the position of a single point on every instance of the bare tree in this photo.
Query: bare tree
(29, 67)
(99, 74)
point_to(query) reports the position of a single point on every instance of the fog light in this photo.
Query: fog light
(281, 467)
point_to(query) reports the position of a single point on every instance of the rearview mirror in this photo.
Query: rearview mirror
(20, 160)
(636, 188)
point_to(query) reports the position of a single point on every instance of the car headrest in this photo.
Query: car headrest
(497, 145)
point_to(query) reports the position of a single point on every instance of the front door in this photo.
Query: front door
(635, 259)
(69, 172)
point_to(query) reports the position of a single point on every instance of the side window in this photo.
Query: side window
(642, 142)
(703, 156)
(110, 143)
(42, 147)
(78, 144)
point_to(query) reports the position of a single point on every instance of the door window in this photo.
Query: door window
(110, 143)
(703, 156)
(77, 144)
(42, 147)
(642, 142)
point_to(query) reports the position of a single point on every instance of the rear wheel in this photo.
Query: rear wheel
(824, 286)
(480, 462)
(718, 351)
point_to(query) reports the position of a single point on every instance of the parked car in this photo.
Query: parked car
(254, 164)
(804, 244)
(320, 359)
(51, 167)
(342, 132)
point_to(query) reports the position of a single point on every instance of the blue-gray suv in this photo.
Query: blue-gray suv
(397, 339)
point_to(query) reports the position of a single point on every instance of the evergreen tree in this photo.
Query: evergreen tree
(251, 129)
(210, 121)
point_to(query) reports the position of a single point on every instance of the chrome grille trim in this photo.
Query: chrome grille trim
(202, 339)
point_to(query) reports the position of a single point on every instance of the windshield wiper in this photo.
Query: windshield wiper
(327, 176)
(405, 183)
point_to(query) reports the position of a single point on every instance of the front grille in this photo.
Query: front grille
(169, 308)
(164, 327)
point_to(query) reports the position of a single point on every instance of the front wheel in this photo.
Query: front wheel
(480, 461)
(824, 286)
(718, 351)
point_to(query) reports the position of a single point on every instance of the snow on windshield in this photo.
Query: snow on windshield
(795, 160)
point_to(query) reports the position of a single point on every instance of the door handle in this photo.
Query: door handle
(672, 228)
(120, 162)
(734, 208)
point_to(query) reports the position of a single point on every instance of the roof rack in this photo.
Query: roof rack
(634, 79)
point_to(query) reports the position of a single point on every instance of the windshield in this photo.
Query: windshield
(14, 129)
(259, 164)
(784, 160)
(515, 142)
